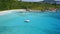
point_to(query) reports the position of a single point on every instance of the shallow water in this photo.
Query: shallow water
(40, 23)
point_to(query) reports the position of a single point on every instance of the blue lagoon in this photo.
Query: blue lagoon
(40, 23)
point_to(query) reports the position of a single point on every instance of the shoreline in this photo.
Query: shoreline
(9, 11)
(20, 10)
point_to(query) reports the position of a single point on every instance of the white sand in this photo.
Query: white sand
(17, 10)
(9, 11)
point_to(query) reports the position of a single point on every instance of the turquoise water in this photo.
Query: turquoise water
(40, 23)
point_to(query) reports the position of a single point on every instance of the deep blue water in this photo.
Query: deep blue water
(40, 23)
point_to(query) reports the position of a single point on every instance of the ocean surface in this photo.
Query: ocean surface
(40, 23)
